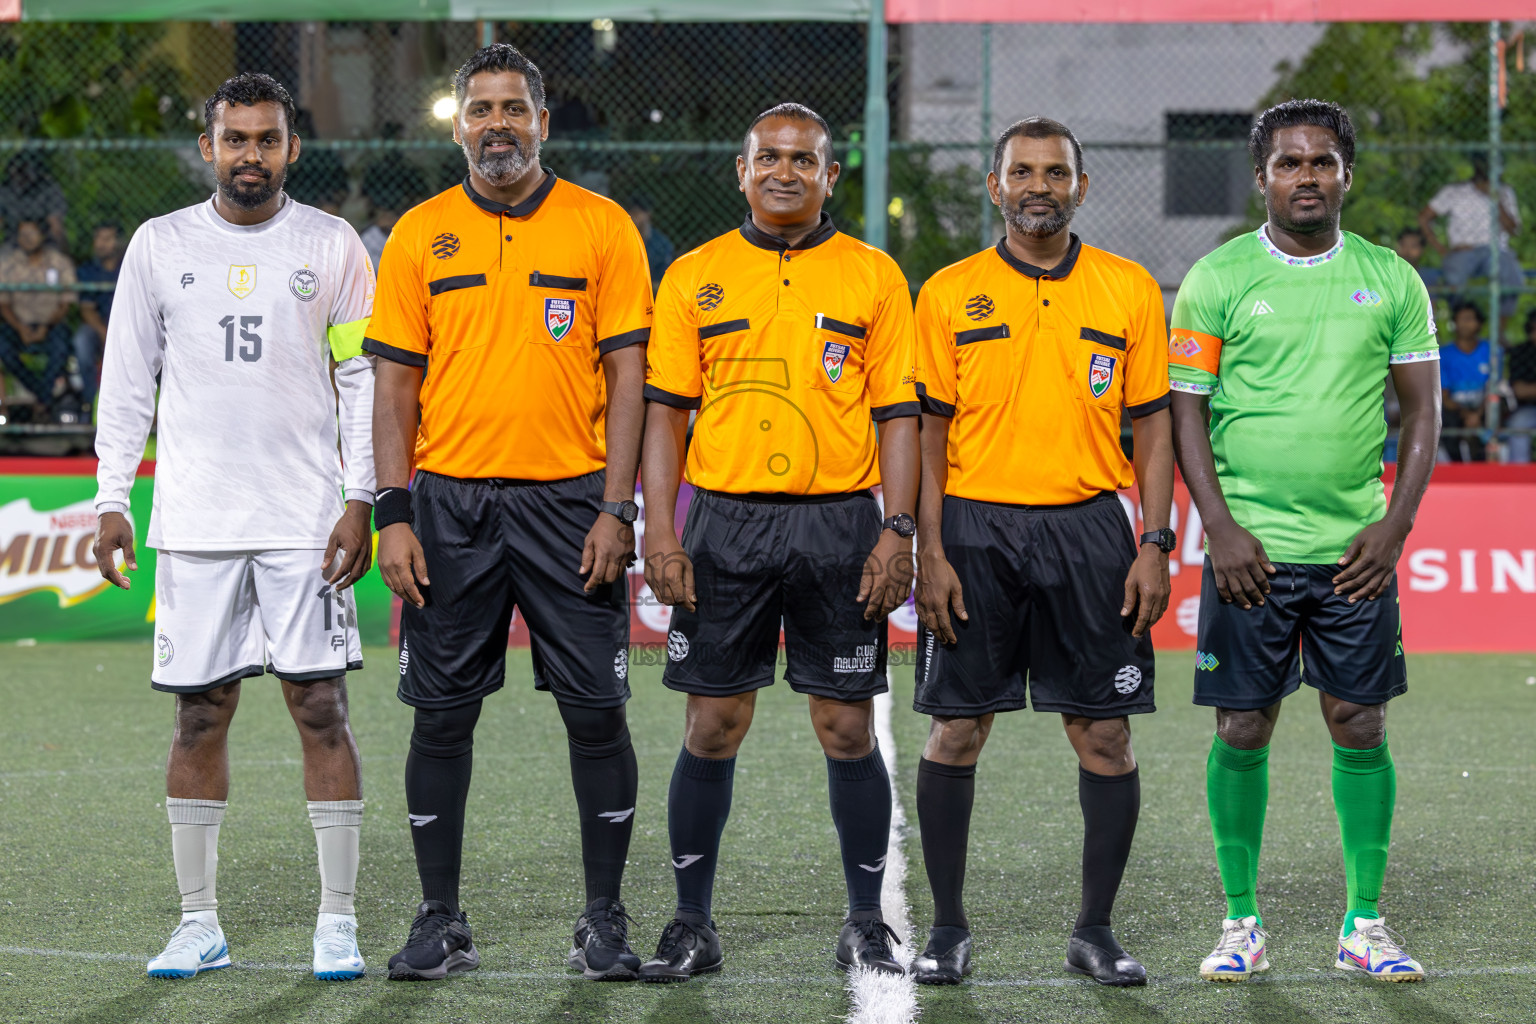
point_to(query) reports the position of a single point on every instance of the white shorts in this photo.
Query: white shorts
(224, 616)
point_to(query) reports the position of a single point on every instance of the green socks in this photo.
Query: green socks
(1237, 791)
(1364, 794)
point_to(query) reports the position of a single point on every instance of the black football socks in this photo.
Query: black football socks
(1111, 804)
(860, 792)
(437, 772)
(698, 804)
(605, 778)
(945, 795)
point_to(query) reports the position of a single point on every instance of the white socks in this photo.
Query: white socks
(338, 824)
(195, 849)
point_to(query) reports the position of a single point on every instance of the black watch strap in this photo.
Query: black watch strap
(1165, 539)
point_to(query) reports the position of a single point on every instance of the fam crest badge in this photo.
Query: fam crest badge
(1101, 374)
(242, 280)
(559, 314)
(833, 356)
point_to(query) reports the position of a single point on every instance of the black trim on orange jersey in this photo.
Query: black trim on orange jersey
(728, 327)
(655, 394)
(638, 336)
(881, 413)
(1056, 273)
(932, 406)
(1102, 337)
(785, 498)
(572, 284)
(981, 334)
(763, 240)
(522, 209)
(826, 323)
(451, 284)
(394, 355)
(1148, 408)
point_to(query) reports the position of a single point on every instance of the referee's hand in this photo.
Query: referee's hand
(608, 552)
(669, 572)
(402, 563)
(887, 577)
(938, 588)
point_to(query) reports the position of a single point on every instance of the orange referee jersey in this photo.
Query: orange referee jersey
(510, 309)
(790, 355)
(1033, 366)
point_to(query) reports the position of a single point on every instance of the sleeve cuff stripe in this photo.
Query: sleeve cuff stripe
(1157, 404)
(655, 394)
(393, 354)
(881, 413)
(638, 336)
(1415, 357)
(1192, 389)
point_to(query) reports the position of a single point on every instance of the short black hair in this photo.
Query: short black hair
(500, 57)
(107, 225)
(791, 112)
(1037, 128)
(1530, 320)
(1468, 304)
(1479, 165)
(1294, 114)
(248, 89)
(1416, 232)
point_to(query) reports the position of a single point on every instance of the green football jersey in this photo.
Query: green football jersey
(1294, 354)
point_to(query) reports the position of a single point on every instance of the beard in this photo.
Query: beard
(502, 169)
(1324, 217)
(247, 195)
(1033, 226)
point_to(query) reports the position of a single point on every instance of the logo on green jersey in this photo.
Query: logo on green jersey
(1366, 297)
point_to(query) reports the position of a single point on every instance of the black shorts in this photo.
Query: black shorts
(492, 546)
(1043, 587)
(1302, 633)
(757, 562)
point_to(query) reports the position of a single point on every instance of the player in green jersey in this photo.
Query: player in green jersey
(1284, 338)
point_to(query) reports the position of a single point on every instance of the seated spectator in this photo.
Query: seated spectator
(1410, 246)
(659, 249)
(29, 192)
(95, 308)
(1521, 360)
(1464, 367)
(392, 187)
(33, 321)
(1464, 255)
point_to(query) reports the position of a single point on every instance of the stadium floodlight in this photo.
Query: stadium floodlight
(444, 108)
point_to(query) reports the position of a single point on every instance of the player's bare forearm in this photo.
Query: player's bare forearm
(396, 413)
(1418, 393)
(668, 570)
(933, 440)
(624, 372)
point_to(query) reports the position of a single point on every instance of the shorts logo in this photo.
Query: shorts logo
(1127, 679)
(677, 646)
(1183, 345)
(445, 246)
(979, 307)
(621, 664)
(1365, 297)
(304, 285)
(164, 651)
(1205, 661)
(242, 280)
(863, 660)
(405, 655)
(833, 356)
(1101, 374)
(710, 296)
(559, 314)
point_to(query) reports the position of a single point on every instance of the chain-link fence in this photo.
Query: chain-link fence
(100, 126)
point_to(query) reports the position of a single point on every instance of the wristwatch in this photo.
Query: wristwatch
(624, 511)
(903, 524)
(1165, 539)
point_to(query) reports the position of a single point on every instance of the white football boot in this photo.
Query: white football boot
(336, 955)
(1240, 952)
(196, 945)
(1372, 949)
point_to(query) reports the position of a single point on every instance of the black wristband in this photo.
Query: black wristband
(390, 506)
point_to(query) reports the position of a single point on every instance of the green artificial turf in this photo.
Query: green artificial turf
(89, 893)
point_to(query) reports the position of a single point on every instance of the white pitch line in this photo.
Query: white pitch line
(883, 998)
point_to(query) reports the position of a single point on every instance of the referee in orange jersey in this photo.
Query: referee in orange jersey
(1028, 574)
(525, 302)
(794, 343)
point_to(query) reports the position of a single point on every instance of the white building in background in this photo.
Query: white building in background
(1126, 91)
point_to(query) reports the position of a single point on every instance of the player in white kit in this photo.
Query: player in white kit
(241, 306)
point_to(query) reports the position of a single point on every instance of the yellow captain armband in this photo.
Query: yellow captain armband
(346, 339)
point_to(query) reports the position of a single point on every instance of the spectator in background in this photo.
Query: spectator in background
(96, 307)
(1464, 367)
(1410, 246)
(318, 178)
(391, 187)
(1521, 360)
(33, 321)
(1464, 255)
(658, 247)
(30, 193)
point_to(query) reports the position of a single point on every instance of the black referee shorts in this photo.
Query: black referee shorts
(759, 562)
(492, 546)
(1043, 587)
(1302, 633)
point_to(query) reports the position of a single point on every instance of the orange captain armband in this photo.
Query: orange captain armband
(1191, 348)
